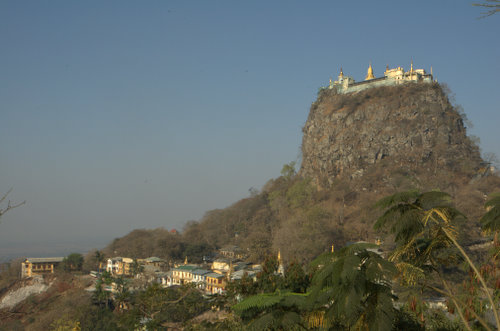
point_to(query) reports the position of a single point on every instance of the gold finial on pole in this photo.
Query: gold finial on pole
(333, 247)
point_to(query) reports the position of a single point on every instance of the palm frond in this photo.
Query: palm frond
(401, 197)
(315, 319)
(491, 220)
(410, 274)
(349, 268)
(381, 314)
(322, 260)
(379, 269)
(431, 199)
(291, 321)
(494, 200)
(354, 249)
(298, 300)
(259, 302)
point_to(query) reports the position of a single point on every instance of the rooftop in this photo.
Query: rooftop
(200, 272)
(153, 259)
(186, 267)
(44, 259)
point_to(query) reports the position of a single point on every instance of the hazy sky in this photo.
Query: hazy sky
(116, 115)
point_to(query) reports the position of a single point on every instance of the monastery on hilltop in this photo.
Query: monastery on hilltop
(346, 84)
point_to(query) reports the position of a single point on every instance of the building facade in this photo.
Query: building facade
(120, 266)
(33, 266)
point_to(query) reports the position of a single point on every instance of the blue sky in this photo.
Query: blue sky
(119, 115)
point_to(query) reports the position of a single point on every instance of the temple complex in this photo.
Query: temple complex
(346, 84)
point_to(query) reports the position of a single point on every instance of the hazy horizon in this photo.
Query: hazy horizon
(120, 115)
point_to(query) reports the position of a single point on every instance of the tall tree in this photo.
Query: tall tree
(73, 262)
(425, 229)
(99, 258)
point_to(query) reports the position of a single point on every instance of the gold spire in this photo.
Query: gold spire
(341, 75)
(369, 74)
(411, 66)
(333, 247)
(186, 260)
(279, 256)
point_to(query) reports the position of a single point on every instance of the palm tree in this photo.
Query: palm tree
(99, 258)
(352, 289)
(122, 294)
(101, 295)
(424, 226)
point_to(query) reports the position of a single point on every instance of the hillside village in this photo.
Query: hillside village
(210, 277)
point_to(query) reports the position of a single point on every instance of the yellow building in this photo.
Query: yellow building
(215, 283)
(39, 265)
(183, 274)
(221, 264)
(121, 266)
(153, 261)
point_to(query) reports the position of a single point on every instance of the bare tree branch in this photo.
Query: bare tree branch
(493, 7)
(10, 205)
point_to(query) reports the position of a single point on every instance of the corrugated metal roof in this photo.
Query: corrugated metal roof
(200, 271)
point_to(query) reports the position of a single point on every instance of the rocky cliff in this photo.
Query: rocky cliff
(411, 126)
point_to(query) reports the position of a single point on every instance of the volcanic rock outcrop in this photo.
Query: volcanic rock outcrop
(408, 126)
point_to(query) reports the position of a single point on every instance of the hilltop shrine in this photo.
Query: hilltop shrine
(346, 84)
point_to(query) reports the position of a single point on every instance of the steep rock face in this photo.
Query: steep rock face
(408, 126)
